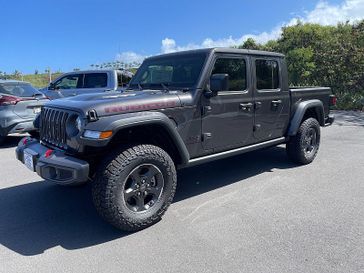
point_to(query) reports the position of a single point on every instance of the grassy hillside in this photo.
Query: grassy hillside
(37, 80)
(40, 80)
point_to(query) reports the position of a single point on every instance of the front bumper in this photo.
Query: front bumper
(54, 166)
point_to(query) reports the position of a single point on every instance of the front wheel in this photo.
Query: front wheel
(303, 147)
(133, 189)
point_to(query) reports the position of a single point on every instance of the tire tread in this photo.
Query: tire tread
(108, 175)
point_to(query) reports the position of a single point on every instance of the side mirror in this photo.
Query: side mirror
(218, 82)
(51, 86)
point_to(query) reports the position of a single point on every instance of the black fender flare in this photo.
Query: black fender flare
(123, 121)
(300, 111)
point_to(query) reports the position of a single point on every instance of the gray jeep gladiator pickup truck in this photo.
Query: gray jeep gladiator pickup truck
(181, 109)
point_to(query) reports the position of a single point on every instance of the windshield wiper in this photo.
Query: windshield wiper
(140, 87)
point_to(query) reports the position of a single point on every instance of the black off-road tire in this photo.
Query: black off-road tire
(108, 188)
(300, 148)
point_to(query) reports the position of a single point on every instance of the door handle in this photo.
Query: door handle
(276, 102)
(245, 106)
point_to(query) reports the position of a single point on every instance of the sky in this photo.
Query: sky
(68, 34)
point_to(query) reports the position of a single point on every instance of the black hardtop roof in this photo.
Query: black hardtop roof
(223, 50)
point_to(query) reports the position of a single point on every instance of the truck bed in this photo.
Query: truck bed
(299, 94)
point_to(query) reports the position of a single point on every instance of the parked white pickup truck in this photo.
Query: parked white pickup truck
(83, 82)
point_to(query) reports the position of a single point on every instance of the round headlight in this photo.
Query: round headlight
(74, 125)
(79, 124)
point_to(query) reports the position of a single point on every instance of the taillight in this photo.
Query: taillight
(9, 100)
(333, 100)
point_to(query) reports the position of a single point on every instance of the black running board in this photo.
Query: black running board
(225, 154)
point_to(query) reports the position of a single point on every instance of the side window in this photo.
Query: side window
(69, 82)
(267, 73)
(95, 80)
(236, 69)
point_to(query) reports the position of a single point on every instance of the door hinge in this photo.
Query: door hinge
(256, 127)
(206, 136)
(205, 110)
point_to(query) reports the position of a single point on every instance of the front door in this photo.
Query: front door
(67, 86)
(227, 119)
(271, 97)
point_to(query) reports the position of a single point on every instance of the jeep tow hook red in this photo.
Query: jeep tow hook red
(48, 153)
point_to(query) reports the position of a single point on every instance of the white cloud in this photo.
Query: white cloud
(169, 45)
(324, 13)
(327, 14)
(130, 57)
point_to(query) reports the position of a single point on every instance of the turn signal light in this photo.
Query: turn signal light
(105, 134)
(97, 134)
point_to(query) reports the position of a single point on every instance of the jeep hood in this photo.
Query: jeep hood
(112, 103)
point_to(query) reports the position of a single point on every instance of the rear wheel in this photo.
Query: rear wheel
(134, 188)
(303, 147)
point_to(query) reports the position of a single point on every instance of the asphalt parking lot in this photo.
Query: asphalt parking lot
(252, 213)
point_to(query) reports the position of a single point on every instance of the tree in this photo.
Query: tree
(250, 44)
(324, 56)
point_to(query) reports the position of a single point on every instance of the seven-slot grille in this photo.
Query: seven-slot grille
(53, 127)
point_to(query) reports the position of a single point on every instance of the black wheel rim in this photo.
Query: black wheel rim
(310, 141)
(143, 187)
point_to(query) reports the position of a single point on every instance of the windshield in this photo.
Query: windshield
(178, 71)
(18, 89)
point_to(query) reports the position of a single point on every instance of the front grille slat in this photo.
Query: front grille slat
(53, 127)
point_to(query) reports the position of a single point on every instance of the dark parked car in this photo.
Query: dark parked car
(83, 82)
(182, 109)
(20, 102)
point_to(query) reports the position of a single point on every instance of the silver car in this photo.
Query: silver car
(20, 102)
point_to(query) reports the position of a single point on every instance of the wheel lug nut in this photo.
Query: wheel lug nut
(145, 192)
(138, 193)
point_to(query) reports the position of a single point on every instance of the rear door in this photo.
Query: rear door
(94, 83)
(271, 97)
(227, 120)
